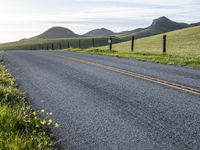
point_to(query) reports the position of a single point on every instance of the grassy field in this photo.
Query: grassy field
(185, 42)
(37, 44)
(20, 127)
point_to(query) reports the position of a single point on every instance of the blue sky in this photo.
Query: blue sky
(26, 18)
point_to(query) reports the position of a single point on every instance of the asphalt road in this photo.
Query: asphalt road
(101, 109)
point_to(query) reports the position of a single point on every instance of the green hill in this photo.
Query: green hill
(184, 42)
(99, 32)
(57, 32)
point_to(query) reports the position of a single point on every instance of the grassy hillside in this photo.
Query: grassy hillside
(60, 43)
(183, 48)
(50, 40)
(185, 42)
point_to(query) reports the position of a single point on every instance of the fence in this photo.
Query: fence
(181, 42)
(88, 43)
(82, 43)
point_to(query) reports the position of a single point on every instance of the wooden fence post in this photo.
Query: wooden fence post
(68, 45)
(60, 45)
(110, 43)
(52, 46)
(79, 43)
(164, 44)
(93, 42)
(133, 43)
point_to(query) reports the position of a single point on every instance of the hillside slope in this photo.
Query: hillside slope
(184, 42)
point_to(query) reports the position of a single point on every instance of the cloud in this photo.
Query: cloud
(84, 15)
(164, 2)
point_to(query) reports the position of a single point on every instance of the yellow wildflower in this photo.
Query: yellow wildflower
(56, 125)
(50, 122)
(42, 110)
(34, 113)
(43, 122)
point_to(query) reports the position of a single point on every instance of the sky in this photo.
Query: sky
(27, 18)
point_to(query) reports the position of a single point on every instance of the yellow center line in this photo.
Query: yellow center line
(136, 75)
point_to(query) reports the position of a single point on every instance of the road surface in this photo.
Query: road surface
(107, 103)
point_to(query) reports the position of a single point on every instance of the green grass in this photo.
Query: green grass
(185, 42)
(19, 128)
(190, 61)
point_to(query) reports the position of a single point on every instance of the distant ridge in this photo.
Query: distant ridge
(100, 32)
(195, 24)
(159, 25)
(163, 24)
(57, 32)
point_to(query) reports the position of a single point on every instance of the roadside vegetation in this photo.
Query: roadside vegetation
(21, 127)
(190, 61)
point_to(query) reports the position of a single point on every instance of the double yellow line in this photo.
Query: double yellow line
(136, 75)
